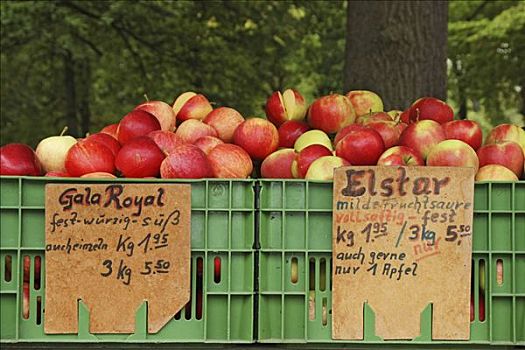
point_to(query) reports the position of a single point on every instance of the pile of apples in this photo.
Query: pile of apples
(190, 139)
(363, 134)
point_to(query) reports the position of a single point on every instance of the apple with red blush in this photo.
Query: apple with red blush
(290, 131)
(400, 155)
(186, 162)
(136, 123)
(224, 120)
(230, 161)
(190, 105)
(467, 131)
(361, 147)
(422, 136)
(207, 143)
(331, 113)
(166, 140)
(258, 137)
(88, 157)
(139, 158)
(192, 129)
(431, 108)
(162, 111)
(278, 165)
(507, 153)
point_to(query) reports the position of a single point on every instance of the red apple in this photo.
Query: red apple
(312, 137)
(217, 269)
(290, 131)
(19, 159)
(405, 116)
(52, 151)
(331, 113)
(481, 309)
(365, 102)
(506, 153)
(307, 156)
(495, 172)
(189, 105)
(99, 175)
(140, 157)
(422, 136)
(166, 140)
(191, 130)
(400, 155)
(25, 300)
(111, 130)
(507, 132)
(207, 143)
(106, 140)
(27, 268)
(467, 131)
(347, 130)
(472, 308)
(162, 111)
(186, 162)
(401, 126)
(258, 137)
(278, 165)
(284, 107)
(89, 157)
(230, 161)
(453, 153)
(136, 123)
(323, 168)
(389, 131)
(224, 120)
(57, 174)
(430, 108)
(373, 117)
(361, 147)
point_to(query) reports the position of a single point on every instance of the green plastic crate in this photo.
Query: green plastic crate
(295, 229)
(222, 226)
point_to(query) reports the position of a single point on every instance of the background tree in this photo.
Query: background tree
(397, 49)
(487, 60)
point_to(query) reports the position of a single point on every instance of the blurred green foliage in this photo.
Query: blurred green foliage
(235, 52)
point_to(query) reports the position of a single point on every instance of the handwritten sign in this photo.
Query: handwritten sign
(402, 239)
(115, 246)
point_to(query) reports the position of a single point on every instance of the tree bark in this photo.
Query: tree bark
(397, 49)
(70, 94)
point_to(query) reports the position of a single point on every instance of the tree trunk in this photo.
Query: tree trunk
(397, 49)
(84, 90)
(70, 94)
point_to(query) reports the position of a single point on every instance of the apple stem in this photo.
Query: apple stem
(146, 97)
(64, 130)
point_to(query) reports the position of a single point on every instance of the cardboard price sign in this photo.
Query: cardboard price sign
(115, 246)
(402, 238)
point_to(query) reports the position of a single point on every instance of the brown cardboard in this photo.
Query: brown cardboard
(74, 274)
(440, 266)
